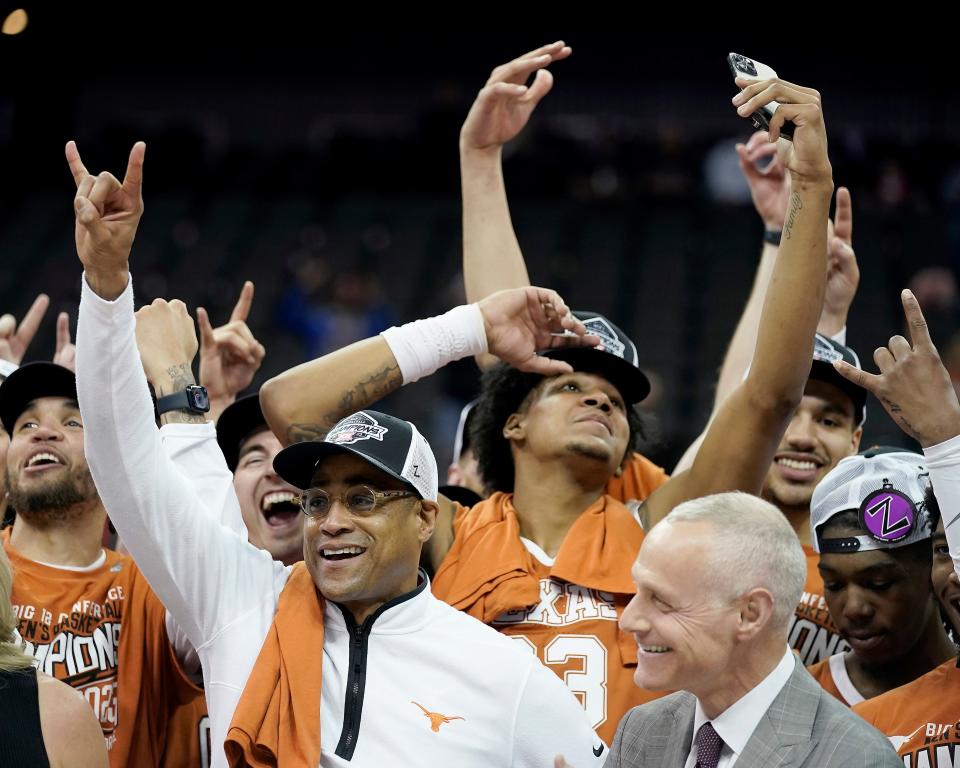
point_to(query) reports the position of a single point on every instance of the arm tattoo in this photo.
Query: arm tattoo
(366, 392)
(795, 205)
(181, 377)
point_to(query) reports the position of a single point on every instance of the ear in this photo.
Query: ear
(756, 611)
(426, 519)
(855, 440)
(454, 474)
(515, 428)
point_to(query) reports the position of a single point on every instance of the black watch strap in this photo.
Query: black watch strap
(193, 399)
(772, 236)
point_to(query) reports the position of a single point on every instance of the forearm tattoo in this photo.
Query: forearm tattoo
(181, 377)
(795, 205)
(366, 392)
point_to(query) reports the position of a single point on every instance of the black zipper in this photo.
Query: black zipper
(357, 676)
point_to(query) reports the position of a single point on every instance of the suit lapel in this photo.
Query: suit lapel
(783, 736)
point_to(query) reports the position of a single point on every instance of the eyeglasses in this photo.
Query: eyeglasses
(359, 500)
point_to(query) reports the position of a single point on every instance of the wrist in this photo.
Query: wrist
(424, 346)
(813, 186)
(480, 155)
(831, 323)
(944, 430)
(168, 378)
(108, 284)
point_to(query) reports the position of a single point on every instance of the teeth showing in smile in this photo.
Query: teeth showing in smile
(794, 464)
(278, 497)
(43, 458)
(654, 648)
(342, 553)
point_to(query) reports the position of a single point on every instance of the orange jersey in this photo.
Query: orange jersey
(188, 736)
(833, 678)
(921, 718)
(813, 635)
(103, 632)
(567, 613)
(639, 478)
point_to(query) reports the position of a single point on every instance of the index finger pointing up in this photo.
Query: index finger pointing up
(77, 168)
(919, 333)
(133, 180)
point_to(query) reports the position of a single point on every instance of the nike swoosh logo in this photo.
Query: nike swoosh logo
(598, 750)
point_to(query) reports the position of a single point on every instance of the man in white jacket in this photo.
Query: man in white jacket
(419, 665)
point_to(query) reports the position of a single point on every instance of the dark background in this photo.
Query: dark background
(311, 148)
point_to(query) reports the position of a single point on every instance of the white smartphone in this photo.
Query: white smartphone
(750, 69)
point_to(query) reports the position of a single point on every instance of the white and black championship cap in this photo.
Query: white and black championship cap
(887, 492)
(617, 362)
(825, 352)
(390, 444)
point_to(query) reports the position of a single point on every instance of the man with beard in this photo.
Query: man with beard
(86, 614)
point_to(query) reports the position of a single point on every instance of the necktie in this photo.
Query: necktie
(709, 744)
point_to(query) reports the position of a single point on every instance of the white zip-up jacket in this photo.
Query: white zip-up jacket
(393, 689)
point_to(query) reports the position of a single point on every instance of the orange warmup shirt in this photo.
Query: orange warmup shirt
(103, 632)
(813, 635)
(567, 612)
(922, 718)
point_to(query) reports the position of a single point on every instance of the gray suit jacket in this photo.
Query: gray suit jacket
(805, 726)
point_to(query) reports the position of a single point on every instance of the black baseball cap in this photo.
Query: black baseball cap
(825, 352)
(392, 445)
(617, 362)
(239, 421)
(30, 382)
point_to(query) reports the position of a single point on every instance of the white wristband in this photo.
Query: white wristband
(424, 346)
(6, 368)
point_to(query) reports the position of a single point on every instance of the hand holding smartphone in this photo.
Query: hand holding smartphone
(749, 69)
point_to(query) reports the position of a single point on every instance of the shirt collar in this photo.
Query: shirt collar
(404, 613)
(736, 724)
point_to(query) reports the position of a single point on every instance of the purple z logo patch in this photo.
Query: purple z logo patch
(888, 515)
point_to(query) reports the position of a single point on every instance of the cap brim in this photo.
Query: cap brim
(458, 493)
(297, 463)
(235, 424)
(30, 382)
(630, 380)
(823, 371)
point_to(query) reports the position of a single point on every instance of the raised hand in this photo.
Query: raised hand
(230, 356)
(521, 321)
(14, 338)
(505, 103)
(108, 212)
(913, 384)
(806, 156)
(66, 352)
(843, 273)
(770, 184)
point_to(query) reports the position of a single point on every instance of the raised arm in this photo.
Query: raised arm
(492, 259)
(204, 574)
(304, 402)
(916, 390)
(770, 190)
(741, 439)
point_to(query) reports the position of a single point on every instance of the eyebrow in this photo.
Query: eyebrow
(869, 570)
(939, 537)
(248, 449)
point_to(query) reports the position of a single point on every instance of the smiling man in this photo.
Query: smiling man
(268, 505)
(872, 528)
(717, 582)
(86, 613)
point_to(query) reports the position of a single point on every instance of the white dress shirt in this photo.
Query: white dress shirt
(736, 724)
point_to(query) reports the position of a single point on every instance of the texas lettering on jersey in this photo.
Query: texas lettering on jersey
(931, 745)
(573, 631)
(79, 647)
(813, 633)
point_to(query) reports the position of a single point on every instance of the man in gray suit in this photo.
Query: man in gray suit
(717, 581)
